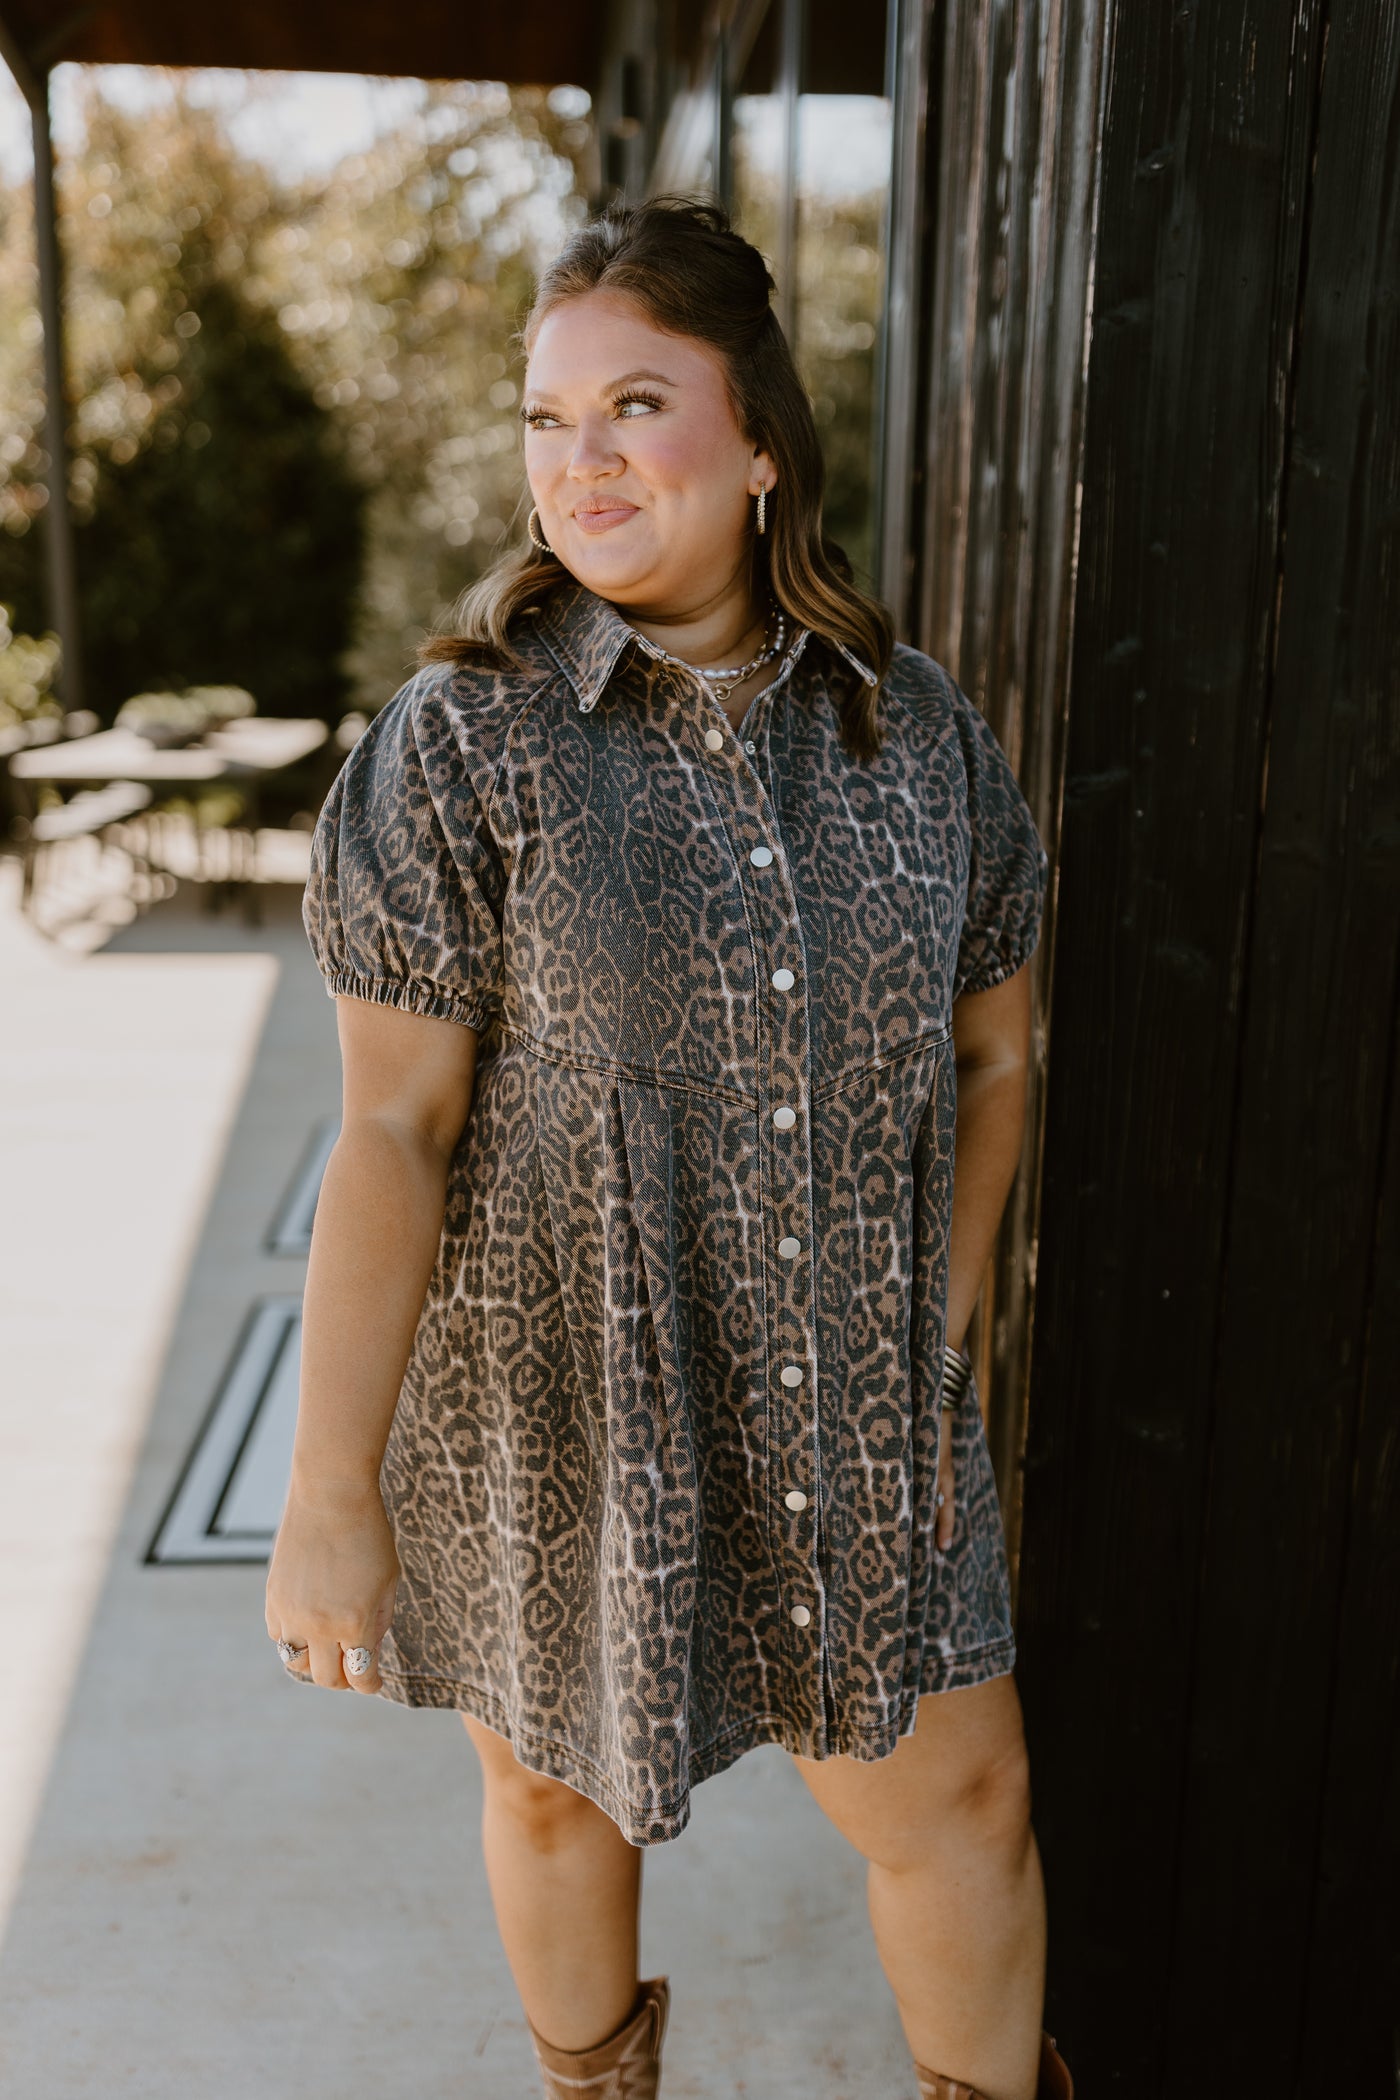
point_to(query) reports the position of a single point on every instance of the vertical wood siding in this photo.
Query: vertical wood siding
(1208, 1605)
(1295, 1399)
(1014, 94)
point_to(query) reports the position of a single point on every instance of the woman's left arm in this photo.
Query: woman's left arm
(991, 1041)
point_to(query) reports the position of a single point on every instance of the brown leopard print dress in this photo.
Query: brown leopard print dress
(662, 1471)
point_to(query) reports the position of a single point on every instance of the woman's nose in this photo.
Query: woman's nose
(593, 452)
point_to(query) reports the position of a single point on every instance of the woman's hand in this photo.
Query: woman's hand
(943, 1530)
(332, 1581)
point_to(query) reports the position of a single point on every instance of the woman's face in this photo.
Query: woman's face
(643, 479)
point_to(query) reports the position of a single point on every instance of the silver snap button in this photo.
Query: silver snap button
(789, 1249)
(714, 739)
(784, 1118)
(791, 1374)
(761, 856)
(748, 746)
(783, 980)
(800, 1615)
(795, 1499)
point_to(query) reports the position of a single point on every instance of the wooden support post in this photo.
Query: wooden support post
(58, 521)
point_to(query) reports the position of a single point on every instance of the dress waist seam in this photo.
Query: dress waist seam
(931, 1039)
(622, 1068)
(692, 1083)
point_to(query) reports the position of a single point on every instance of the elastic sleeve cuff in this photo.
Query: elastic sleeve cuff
(411, 996)
(998, 968)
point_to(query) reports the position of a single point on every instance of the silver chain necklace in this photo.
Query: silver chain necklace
(723, 682)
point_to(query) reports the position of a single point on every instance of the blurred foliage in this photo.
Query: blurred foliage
(229, 546)
(294, 430)
(840, 288)
(839, 302)
(27, 666)
(178, 718)
(293, 422)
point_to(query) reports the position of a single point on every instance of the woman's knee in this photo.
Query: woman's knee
(548, 1815)
(985, 1809)
(961, 1781)
(995, 1798)
(544, 1813)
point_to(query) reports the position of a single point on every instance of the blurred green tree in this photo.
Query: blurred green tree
(228, 549)
(293, 430)
(401, 282)
(218, 522)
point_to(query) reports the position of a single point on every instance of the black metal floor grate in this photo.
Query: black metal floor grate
(228, 1502)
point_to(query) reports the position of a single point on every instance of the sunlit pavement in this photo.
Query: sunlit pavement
(215, 1883)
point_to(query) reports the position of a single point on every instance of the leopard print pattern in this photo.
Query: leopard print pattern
(663, 1467)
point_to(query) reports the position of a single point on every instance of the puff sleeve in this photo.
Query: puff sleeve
(1008, 865)
(403, 903)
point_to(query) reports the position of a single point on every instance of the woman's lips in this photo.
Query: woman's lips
(604, 520)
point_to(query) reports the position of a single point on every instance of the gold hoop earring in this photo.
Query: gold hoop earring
(762, 522)
(530, 524)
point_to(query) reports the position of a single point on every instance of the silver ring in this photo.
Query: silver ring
(939, 1500)
(289, 1651)
(358, 1661)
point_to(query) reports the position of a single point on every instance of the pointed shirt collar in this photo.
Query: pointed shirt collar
(587, 634)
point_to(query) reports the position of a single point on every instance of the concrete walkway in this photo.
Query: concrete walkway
(212, 1882)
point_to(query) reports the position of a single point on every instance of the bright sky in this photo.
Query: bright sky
(299, 123)
(303, 123)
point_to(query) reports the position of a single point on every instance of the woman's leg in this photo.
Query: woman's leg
(566, 1886)
(954, 1887)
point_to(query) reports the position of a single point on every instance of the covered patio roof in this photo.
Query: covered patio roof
(543, 44)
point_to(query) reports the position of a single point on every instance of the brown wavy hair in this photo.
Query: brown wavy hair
(692, 275)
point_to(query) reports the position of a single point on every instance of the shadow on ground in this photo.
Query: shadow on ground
(232, 1885)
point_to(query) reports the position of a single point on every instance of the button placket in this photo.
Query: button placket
(716, 739)
(792, 1343)
(783, 1083)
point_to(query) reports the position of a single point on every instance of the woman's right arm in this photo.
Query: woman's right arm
(407, 1093)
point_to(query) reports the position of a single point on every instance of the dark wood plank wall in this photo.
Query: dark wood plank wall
(1207, 1603)
(1014, 101)
(1299, 1389)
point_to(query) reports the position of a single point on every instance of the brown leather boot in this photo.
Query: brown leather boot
(1054, 2082)
(627, 2066)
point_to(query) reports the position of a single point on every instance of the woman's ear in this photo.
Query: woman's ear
(763, 474)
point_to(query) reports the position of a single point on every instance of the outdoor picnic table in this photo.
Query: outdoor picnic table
(242, 752)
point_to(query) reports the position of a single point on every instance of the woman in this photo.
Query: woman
(678, 925)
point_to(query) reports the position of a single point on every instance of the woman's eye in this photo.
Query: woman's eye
(545, 419)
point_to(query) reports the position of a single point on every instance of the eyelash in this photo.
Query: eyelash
(539, 418)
